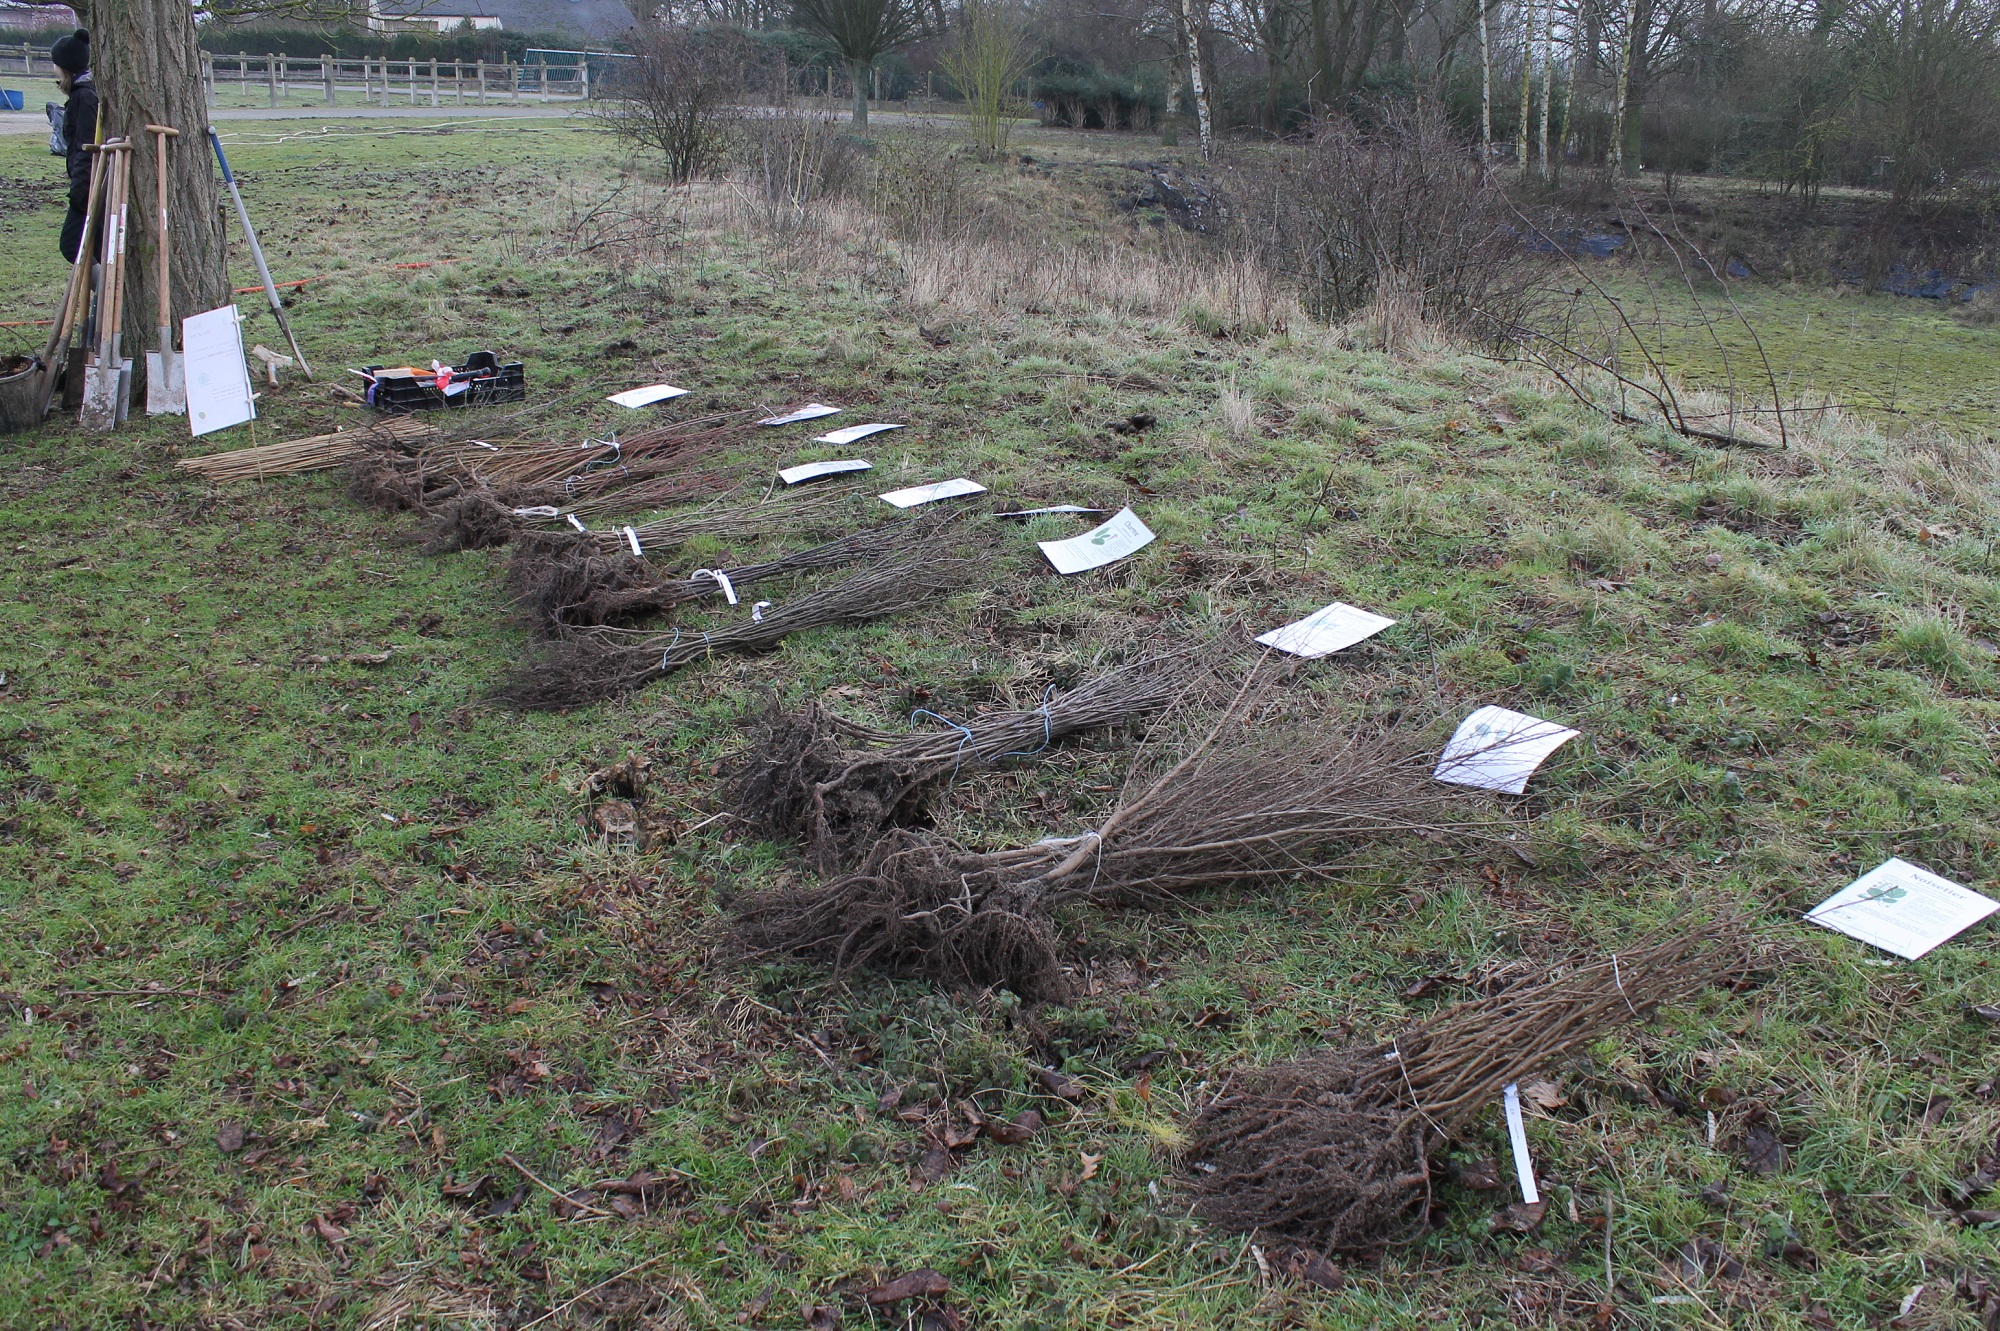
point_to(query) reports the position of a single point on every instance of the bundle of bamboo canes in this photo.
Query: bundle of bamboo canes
(312, 453)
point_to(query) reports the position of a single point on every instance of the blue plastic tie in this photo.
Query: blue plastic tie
(1048, 729)
(964, 735)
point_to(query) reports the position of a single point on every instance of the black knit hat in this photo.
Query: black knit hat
(72, 53)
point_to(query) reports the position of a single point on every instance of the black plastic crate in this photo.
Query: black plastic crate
(486, 382)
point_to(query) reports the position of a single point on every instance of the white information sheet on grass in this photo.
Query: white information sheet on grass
(646, 397)
(930, 494)
(1325, 631)
(1495, 749)
(1053, 508)
(1902, 908)
(812, 471)
(812, 411)
(852, 432)
(218, 378)
(1104, 544)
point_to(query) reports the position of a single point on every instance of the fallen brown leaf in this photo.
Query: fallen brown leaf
(922, 1283)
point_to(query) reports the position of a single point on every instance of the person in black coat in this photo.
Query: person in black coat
(72, 57)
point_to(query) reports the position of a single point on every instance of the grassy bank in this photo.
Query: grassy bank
(317, 969)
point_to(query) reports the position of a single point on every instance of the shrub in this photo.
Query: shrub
(1394, 207)
(678, 99)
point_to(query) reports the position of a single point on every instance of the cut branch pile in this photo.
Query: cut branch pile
(1243, 806)
(573, 584)
(314, 453)
(593, 664)
(1335, 1148)
(837, 786)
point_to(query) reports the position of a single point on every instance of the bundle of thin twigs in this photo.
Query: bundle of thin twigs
(593, 664)
(562, 585)
(597, 462)
(839, 786)
(1245, 805)
(314, 453)
(1335, 1148)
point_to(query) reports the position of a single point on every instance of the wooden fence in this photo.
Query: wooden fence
(387, 81)
(379, 80)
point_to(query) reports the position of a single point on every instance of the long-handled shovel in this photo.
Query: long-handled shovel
(76, 297)
(257, 253)
(101, 376)
(166, 385)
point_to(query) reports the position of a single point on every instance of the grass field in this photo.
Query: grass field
(316, 969)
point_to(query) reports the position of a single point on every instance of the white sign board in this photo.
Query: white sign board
(1053, 508)
(646, 397)
(930, 494)
(218, 379)
(1495, 749)
(1325, 631)
(852, 433)
(812, 471)
(1105, 544)
(812, 411)
(1902, 908)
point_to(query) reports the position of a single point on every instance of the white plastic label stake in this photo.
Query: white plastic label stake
(853, 432)
(930, 494)
(481, 443)
(757, 611)
(576, 522)
(812, 471)
(632, 539)
(218, 378)
(539, 511)
(1517, 1133)
(719, 578)
(812, 411)
(1104, 544)
(1902, 908)
(1495, 749)
(1053, 508)
(1325, 631)
(647, 396)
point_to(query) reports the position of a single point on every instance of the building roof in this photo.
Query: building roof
(596, 21)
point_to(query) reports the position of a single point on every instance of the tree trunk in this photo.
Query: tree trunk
(147, 66)
(1203, 118)
(1485, 93)
(1521, 157)
(1621, 104)
(1548, 81)
(858, 71)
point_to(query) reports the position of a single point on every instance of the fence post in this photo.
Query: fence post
(458, 82)
(544, 68)
(513, 82)
(208, 76)
(434, 80)
(482, 83)
(271, 76)
(326, 76)
(583, 75)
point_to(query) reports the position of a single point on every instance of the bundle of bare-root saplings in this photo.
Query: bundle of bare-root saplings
(592, 664)
(1335, 1148)
(479, 494)
(1262, 796)
(837, 786)
(563, 581)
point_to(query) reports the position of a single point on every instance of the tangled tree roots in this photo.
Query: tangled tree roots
(564, 581)
(475, 520)
(916, 905)
(384, 478)
(1334, 1148)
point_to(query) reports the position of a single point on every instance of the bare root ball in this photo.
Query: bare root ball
(473, 521)
(1307, 1149)
(575, 672)
(916, 905)
(797, 781)
(562, 582)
